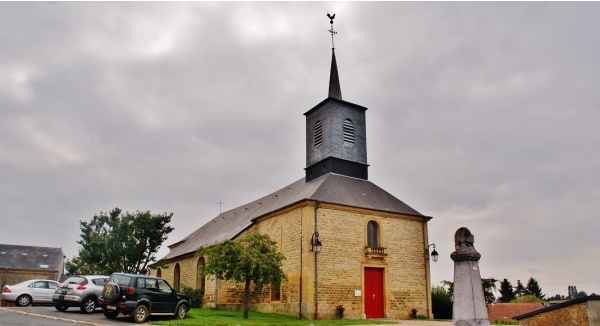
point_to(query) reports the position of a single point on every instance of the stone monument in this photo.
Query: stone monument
(469, 302)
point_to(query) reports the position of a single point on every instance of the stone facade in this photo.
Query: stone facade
(579, 312)
(340, 265)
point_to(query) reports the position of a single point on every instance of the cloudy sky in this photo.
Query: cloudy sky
(482, 115)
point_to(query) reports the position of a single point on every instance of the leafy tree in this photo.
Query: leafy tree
(450, 286)
(115, 242)
(489, 285)
(533, 288)
(250, 259)
(441, 303)
(507, 294)
(520, 290)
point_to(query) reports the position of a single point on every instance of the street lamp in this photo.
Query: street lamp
(434, 254)
(315, 243)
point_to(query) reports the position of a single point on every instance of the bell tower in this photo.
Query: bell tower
(336, 137)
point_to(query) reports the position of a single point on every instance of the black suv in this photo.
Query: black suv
(140, 296)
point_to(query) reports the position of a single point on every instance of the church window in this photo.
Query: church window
(176, 278)
(318, 133)
(200, 280)
(275, 291)
(372, 234)
(348, 132)
(158, 273)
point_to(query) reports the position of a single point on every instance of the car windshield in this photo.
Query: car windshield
(75, 280)
(122, 280)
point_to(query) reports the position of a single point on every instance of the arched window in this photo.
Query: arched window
(348, 132)
(318, 133)
(200, 280)
(176, 278)
(372, 234)
(158, 273)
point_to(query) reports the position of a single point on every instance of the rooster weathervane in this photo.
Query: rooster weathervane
(332, 31)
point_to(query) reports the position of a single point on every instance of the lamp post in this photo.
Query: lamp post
(434, 254)
(315, 244)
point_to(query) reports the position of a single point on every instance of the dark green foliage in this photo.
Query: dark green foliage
(489, 285)
(450, 286)
(520, 290)
(115, 242)
(195, 296)
(507, 294)
(533, 288)
(250, 259)
(441, 303)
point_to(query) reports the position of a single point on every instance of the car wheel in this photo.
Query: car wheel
(140, 314)
(23, 300)
(88, 305)
(181, 311)
(61, 307)
(111, 314)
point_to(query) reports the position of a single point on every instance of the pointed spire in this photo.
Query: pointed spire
(335, 90)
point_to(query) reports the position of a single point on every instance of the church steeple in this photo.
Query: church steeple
(335, 90)
(336, 136)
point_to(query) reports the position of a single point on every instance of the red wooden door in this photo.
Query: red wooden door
(373, 292)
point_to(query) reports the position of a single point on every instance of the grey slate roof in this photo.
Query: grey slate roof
(31, 258)
(330, 188)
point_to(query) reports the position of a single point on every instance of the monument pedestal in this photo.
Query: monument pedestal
(469, 302)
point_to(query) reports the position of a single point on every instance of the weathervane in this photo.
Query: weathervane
(332, 31)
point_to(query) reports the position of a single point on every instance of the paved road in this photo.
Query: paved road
(40, 315)
(48, 316)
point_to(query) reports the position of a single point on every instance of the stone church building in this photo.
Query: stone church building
(372, 254)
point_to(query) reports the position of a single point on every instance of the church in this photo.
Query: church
(347, 242)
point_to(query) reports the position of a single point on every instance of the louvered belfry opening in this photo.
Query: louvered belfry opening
(318, 133)
(348, 131)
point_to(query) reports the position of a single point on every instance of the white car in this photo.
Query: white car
(80, 291)
(30, 292)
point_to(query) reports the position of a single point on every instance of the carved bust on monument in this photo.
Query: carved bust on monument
(469, 302)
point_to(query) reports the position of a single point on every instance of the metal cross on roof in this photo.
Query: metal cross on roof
(331, 31)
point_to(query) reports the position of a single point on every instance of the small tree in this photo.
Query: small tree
(250, 259)
(112, 242)
(489, 285)
(520, 289)
(533, 288)
(507, 294)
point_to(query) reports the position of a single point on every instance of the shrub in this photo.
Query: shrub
(195, 296)
(441, 303)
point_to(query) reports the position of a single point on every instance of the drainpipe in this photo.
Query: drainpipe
(316, 269)
(425, 243)
(301, 239)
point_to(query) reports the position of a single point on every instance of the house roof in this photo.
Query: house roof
(31, 258)
(506, 311)
(330, 188)
(558, 306)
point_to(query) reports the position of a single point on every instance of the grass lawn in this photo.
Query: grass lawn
(234, 318)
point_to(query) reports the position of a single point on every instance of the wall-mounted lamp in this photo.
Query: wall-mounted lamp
(434, 254)
(315, 243)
